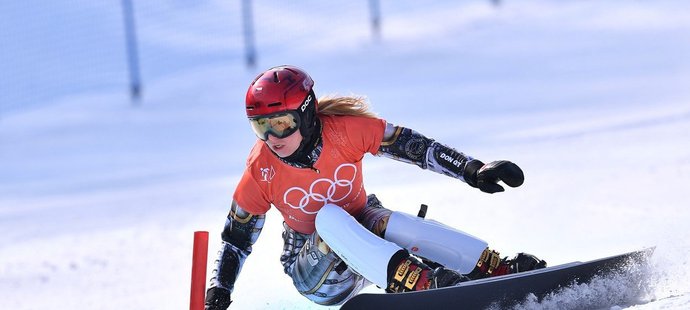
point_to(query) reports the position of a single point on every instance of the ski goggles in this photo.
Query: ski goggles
(279, 125)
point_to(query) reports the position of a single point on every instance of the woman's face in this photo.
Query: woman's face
(286, 146)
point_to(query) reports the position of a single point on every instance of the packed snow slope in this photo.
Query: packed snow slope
(99, 198)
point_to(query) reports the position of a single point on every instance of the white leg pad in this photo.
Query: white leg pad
(363, 251)
(445, 245)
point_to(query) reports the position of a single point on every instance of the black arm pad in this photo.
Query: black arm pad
(239, 234)
(409, 146)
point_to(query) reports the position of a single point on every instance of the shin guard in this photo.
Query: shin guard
(364, 252)
(432, 240)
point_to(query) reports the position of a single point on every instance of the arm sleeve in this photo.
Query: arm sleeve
(241, 231)
(409, 146)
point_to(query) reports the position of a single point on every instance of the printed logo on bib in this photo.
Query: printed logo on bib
(267, 174)
(322, 191)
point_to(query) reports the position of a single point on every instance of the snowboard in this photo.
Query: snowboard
(502, 291)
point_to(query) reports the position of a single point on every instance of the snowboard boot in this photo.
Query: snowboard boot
(490, 264)
(411, 274)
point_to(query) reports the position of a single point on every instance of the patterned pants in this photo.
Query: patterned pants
(317, 272)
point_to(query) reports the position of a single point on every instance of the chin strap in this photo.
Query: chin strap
(309, 150)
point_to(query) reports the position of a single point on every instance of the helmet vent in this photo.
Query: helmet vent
(274, 104)
(275, 77)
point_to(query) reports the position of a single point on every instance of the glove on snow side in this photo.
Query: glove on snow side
(217, 299)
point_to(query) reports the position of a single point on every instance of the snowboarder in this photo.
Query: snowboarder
(307, 162)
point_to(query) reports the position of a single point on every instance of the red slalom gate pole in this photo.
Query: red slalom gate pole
(199, 257)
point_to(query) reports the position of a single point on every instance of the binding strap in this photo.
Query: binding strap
(407, 278)
(490, 264)
(489, 261)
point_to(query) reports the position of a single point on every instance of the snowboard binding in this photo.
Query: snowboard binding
(412, 274)
(490, 264)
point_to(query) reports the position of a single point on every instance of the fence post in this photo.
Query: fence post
(375, 9)
(132, 52)
(250, 50)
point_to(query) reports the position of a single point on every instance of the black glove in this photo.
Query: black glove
(486, 177)
(217, 299)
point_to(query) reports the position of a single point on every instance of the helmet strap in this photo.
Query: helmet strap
(305, 156)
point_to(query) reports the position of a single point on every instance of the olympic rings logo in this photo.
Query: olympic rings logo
(329, 197)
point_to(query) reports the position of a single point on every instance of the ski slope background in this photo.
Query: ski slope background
(99, 199)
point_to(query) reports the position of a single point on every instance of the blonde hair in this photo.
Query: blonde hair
(353, 106)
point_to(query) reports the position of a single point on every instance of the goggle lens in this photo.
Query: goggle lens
(278, 125)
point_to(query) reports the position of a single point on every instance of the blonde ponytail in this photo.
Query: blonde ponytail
(353, 106)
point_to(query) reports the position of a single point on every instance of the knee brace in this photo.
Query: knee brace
(432, 240)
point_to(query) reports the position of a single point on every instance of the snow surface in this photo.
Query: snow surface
(99, 199)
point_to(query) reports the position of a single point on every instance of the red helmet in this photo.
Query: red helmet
(281, 101)
(279, 89)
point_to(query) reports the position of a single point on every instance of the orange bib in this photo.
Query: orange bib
(299, 193)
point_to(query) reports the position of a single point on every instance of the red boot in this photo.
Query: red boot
(490, 264)
(411, 274)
